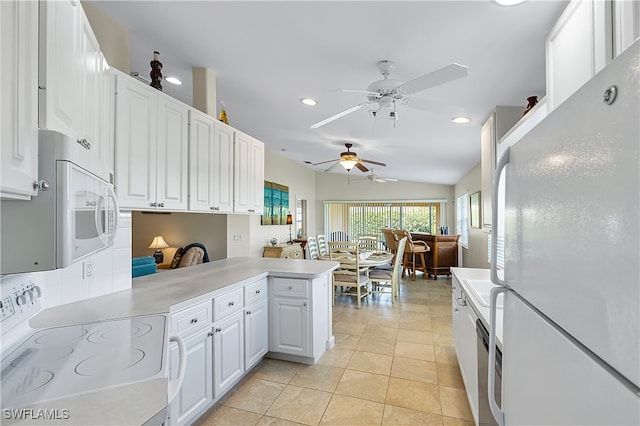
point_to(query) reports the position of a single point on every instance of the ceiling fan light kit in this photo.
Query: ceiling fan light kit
(389, 92)
(350, 159)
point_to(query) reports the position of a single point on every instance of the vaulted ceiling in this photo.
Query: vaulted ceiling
(267, 55)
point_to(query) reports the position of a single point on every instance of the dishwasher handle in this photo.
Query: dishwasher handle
(176, 385)
(498, 414)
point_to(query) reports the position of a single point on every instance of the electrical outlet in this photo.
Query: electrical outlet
(87, 269)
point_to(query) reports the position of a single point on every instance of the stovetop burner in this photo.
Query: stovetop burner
(65, 361)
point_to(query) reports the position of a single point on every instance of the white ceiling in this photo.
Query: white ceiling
(267, 55)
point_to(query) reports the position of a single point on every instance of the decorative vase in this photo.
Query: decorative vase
(223, 114)
(273, 241)
(156, 71)
(533, 100)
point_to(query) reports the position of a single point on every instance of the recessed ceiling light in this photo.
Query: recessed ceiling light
(508, 2)
(461, 120)
(174, 80)
(309, 101)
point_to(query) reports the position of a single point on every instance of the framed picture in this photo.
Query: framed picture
(474, 209)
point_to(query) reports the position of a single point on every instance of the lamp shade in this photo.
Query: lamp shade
(289, 219)
(348, 164)
(158, 243)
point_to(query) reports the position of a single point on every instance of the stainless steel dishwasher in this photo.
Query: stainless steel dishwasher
(484, 412)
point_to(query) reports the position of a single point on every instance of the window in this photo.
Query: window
(345, 220)
(462, 219)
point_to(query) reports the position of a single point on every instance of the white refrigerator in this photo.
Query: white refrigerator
(571, 316)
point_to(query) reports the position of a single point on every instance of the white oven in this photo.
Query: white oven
(103, 372)
(74, 215)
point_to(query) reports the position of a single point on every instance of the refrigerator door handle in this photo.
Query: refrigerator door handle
(498, 414)
(504, 160)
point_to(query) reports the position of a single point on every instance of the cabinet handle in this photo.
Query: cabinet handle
(154, 204)
(248, 312)
(257, 291)
(209, 334)
(84, 143)
(251, 210)
(42, 185)
(455, 310)
(194, 320)
(304, 304)
(290, 288)
(231, 303)
(218, 330)
(161, 204)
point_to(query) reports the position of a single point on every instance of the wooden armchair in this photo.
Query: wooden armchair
(412, 250)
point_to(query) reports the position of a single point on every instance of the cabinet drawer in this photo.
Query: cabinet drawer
(290, 287)
(192, 319)
(227, 304)
(255, 291)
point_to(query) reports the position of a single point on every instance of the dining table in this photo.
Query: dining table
(367, 258)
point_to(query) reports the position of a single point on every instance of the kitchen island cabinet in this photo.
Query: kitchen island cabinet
(442, 254)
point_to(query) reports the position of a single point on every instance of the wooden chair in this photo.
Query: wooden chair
(351, 275)
(390, 240)
(312, 246)
(368, 242)
(382, 279)
(323, 247)
(412, 250)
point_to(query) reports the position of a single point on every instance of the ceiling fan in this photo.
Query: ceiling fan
(348, 159)
(374, 178)
(387, 93)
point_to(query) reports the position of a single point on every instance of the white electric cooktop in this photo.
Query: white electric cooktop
(64, 361)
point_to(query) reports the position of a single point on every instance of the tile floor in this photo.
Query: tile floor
(392, 365)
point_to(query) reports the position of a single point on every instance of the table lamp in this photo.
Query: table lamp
(289, 222)
(158, 243)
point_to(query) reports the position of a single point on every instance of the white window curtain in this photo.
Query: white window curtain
(462, 219)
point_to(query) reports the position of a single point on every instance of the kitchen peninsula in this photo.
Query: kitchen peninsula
(229, 313)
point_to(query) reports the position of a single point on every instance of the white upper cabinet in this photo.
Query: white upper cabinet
(71, 79)
(586, 37)
(18, 99)
(210, 164)
(151, 147)
(248, 177)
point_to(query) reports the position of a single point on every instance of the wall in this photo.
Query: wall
(113, 38)
(178, 230)
(333, 187)
(475, 256)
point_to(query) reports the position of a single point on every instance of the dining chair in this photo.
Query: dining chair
(412, 250)
(390, 240)
(312, 246)
(323, 247)
(351, 274)
(367, 242)
(382, 279)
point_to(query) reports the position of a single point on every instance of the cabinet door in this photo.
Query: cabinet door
(256, 333)
(197, 389)
(257, 177)
(468, 353)
(172, 154)
(242, 173)
(228, 353)
(201, 148)
(135, 143)
(60, 66)
(18, 98)
(289, 325)
(222, 169)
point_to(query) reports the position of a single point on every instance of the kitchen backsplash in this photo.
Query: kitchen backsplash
(110, 272)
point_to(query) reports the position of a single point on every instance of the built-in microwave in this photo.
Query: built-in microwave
(74, 215)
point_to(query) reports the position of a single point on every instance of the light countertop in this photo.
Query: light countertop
(464, 274)
(179, 288)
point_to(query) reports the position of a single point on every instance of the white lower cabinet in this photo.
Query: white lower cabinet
(290, 326)
(256, 332)
(228, 353)
(196, 393)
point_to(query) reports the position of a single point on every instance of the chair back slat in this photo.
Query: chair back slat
(323, 247)
(312, 246)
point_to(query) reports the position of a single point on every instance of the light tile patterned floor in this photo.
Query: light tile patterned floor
(392, 365)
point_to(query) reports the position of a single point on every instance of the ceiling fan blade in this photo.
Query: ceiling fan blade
(361, 167)
(435, 107)
(338, 115)
(330, 168)
(373, 162)
(435, 78)
(324, 162)
(368, 92)
(383, 180)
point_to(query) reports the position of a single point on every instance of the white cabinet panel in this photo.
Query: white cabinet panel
(171, 152)
(626, 24)
(18, 98)
(248, 177)
(256, 332)
(290, 326)
(228, 353)
(196, 393)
